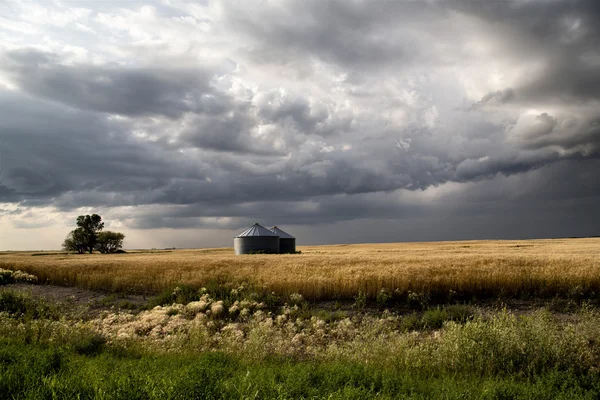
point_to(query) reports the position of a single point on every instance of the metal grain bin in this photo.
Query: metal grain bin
(287, 243)
(257, 238)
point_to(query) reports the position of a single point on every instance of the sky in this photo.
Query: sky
(181, 123)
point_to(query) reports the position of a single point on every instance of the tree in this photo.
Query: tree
(109, 242)
(88, 236)
(90, 226)
(75, 241)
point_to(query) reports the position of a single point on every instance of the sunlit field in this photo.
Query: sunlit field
(543, 268)
(452, 320)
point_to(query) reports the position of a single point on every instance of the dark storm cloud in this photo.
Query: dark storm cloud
(569, 187)
(236, 186)
(292, 117)
(349, 33)
(95, 169)
(225, 133)
(275, 108)
(561, 38)
(25, 180)
(570, 77)
(316, 211)
(145, 176)
(564, 34)
(544, 20)
(574, 134)
(359, 34)
(48, 150)
(73, 158)
(163, 147)
(113, 89)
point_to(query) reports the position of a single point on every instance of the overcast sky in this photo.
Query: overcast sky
(181, 123)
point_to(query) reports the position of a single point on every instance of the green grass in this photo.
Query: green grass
(23, 306)
(443, 352)
(47, 372)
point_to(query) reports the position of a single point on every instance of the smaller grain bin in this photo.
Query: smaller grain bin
(256, 239)
(287, 243)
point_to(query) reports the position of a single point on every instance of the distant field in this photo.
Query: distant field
(543, 268)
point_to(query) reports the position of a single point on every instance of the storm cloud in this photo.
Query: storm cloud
(178, 115)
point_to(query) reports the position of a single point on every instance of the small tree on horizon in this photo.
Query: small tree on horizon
(109, 242)
(91, 225)
(85, 236)
(75, 241)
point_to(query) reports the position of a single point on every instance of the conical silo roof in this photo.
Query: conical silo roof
(281, 234)
(257, 230)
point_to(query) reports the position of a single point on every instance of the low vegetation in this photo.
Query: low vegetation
(9, 276)
(204, 349)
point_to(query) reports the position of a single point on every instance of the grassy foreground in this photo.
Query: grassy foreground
(45, 372)
(481, 269)
(199, 350)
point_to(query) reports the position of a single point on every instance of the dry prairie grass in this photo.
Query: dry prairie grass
(544, 268)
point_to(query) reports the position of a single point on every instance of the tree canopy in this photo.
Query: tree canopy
(75, 241)
(88, 236)
(109, 242)
(90, 226)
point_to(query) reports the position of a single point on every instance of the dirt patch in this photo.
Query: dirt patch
(86, 303)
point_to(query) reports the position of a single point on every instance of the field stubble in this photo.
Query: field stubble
(542, 268)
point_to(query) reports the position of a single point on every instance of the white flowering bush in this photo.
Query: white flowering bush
(488, 343)
(6, 277)
(296, 298)
(9, 276)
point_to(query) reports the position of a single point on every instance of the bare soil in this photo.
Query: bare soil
(89, 303)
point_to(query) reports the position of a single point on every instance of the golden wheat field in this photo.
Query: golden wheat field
(476, 268)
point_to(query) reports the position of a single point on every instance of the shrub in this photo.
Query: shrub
(434, 318)
(360, 301)
(417, 300)
(23, 306)
(88, 343)
(459, 312)
(181, 294)
(296, 299)
(384, 297)
(8, 276)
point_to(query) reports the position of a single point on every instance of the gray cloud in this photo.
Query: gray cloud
(561, 35)
(495, 98)
(554, 21)
(112, 88)
(25, 180)
(48, 150)
(575, 135)
(350, 33)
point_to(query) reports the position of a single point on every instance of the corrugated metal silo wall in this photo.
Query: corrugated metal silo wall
(287, 245)
(247, 244)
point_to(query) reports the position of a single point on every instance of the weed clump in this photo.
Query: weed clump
(23, 306)
(9, 276)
